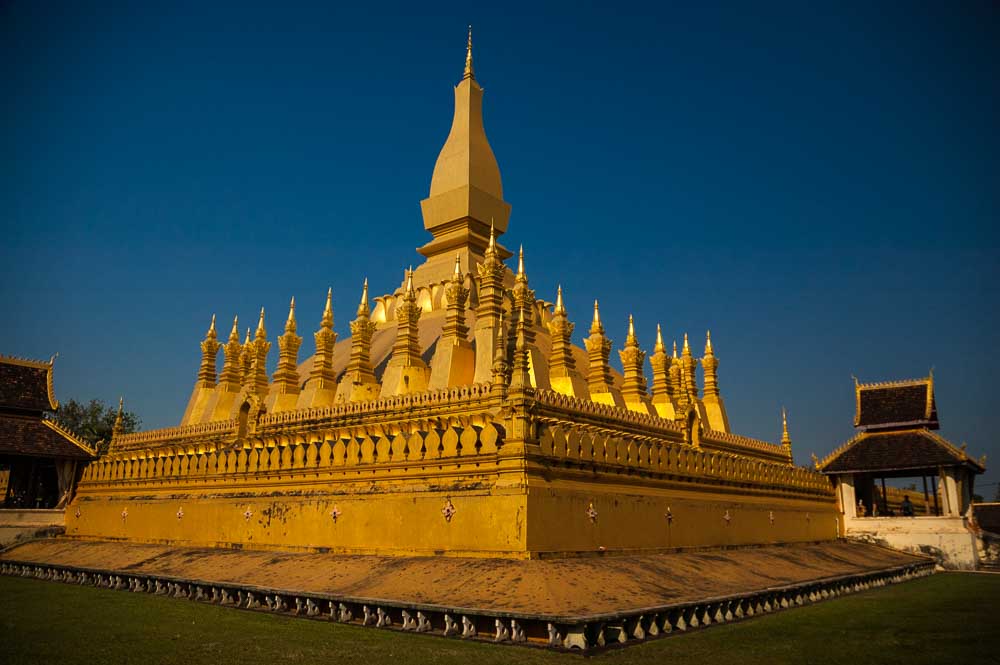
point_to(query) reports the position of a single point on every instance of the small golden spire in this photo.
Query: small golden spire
(659, 348)
(597, 327)
(290, 323)
(708, 343)
(458, 265)
(409, 280)
(675, 349)
(260, 332)
(468, 58)
(363, 309)
(686, 351)
(785, 439)
(234, 335)
(520, 262)
(493, 236)
(120, 418)
(247, 339)
(327, 320)
(631, 330)
(560, 308)
(211, 328)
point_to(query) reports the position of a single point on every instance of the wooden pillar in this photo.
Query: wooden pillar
(927, 501)
(937, 506)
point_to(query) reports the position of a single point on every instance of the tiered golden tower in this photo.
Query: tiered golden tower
(460, 386)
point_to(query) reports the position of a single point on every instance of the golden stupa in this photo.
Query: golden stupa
(459, 418)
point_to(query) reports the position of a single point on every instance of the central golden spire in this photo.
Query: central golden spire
(466, 192)
(469, 74)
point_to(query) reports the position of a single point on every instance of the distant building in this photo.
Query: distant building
(38, 458)
(897, 439)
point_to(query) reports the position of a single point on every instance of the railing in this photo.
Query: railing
(621, 452)
(396, 404)
(139, 439)
(331, 453)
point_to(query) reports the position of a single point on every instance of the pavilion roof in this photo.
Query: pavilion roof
(26, 385)
(900, 450)
(38, 437)
(896, 404)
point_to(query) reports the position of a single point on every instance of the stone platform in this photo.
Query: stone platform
(582, 602)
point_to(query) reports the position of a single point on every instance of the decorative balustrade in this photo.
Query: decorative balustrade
(397, 404)
(742, 441)
(622, 451)
(167, 434)
(328, 453)
(567, 403)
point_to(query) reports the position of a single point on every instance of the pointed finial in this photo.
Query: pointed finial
(675, 349)
(687, 349)
(290, 322)
(493, 235)
(327, 320)
(785, 439)
(631, 329)
(658, 348)
(520, 262)
(708, 343)
(211, 328)
(363, 309)
(246, 340)
(560, 308)
(409, 280)
(468, 58)
(458, 265)
(260, 332)
(234, 334)
(120, 417)
(597, 314)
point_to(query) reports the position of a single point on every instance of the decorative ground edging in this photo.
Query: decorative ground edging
(558, 632)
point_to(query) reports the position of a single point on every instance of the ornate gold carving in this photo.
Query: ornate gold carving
(322, 369)
(286, 376)
(232, 371)
(209, 352)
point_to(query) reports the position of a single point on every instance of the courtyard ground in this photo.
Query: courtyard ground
(946, 618)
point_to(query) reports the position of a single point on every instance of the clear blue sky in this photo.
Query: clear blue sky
(816, 183)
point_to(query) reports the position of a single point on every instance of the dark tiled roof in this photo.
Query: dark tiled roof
(987, 516)
(24, 385)
(893, 404)
(23, 435)
(893, 451)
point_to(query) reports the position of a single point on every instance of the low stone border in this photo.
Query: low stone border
(558, 632)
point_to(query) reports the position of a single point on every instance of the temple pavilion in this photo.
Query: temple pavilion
(897, 437)
(459, 417)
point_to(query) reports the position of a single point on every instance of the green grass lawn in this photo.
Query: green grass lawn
(944, 619)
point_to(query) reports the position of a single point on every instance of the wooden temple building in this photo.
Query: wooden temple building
(897, 438)
(39, 460)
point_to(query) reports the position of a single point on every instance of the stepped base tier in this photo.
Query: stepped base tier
(577, 603)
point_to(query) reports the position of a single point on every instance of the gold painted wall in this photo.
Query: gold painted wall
(451, 485)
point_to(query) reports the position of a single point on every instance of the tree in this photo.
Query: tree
(94, 422)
